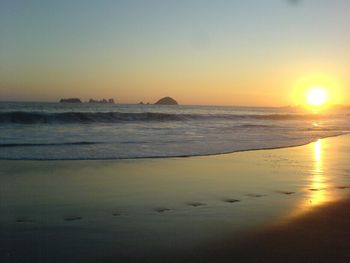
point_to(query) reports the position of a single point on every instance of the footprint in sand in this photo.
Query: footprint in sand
(73, 218)
(161, 209)
(231, 200)
(255, 195)
(195, 204)
(316, 189)
(342, 187)
(116, 214)
(24, 220)
(285, 192)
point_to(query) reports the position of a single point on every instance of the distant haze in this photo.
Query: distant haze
(196, 51)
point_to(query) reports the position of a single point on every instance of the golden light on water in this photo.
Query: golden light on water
(318, 156)
(318, 183)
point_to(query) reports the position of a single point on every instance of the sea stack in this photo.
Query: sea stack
(166, 101)
(110, 101)
(70, 100)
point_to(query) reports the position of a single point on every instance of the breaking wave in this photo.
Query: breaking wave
(4, 145)
(22, 117)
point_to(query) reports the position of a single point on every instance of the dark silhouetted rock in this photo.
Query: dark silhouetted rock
(111, 101)
(70, 100)
(166, 101)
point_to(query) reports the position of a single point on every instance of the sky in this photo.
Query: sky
(222, 52)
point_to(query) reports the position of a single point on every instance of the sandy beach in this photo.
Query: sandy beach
(322, 235)
(271, 205)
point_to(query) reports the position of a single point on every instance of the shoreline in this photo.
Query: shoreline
(184, 156)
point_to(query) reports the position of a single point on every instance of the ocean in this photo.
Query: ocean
(87, 131)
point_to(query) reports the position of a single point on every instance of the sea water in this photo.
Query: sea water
(74, 131)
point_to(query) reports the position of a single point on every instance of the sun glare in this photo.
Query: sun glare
(317, 96)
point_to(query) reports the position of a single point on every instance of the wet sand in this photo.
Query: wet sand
(282, 205)
(322, 235)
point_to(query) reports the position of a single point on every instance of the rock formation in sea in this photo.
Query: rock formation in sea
(70, 100)
(111, 101)
(166, 101)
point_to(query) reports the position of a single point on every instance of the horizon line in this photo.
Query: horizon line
(145, 103)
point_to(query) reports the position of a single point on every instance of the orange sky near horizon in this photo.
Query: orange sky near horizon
(244, 54)
(282, 87)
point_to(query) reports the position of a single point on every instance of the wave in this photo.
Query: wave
(258, 126)
(5, 145)
(22, 117)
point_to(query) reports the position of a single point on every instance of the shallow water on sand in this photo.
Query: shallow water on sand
(130, 209)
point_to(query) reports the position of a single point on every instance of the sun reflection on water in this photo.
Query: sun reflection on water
(318, 181)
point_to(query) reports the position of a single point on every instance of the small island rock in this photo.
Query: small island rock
(110, 101)
(70, 100)
(166, 101)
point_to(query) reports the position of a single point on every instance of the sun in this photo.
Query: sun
(317, 96)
